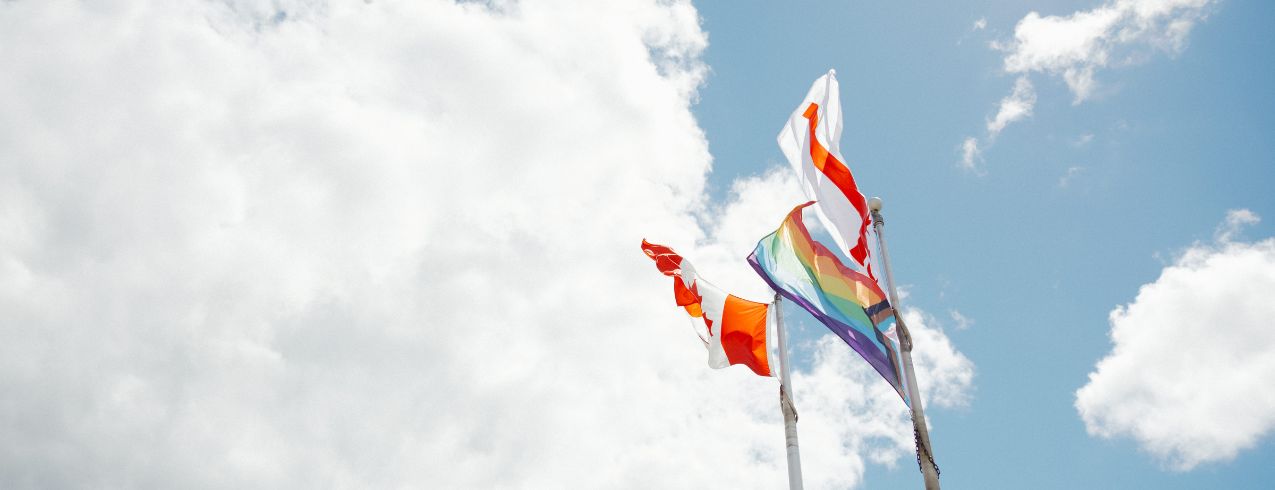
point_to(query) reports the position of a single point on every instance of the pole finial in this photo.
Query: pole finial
(875, 204)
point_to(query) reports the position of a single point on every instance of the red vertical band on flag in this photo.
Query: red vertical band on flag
(744, 334)
(840, 176)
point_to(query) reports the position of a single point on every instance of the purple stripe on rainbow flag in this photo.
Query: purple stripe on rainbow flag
(847, 302)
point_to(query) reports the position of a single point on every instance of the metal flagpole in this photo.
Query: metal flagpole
(785, 401)
(925, 454)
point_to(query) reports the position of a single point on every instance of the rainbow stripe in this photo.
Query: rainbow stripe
(847, 302)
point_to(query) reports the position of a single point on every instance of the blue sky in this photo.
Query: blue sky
(1166, 147)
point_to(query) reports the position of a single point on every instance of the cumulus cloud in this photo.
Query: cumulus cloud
(1194, 344)
(1116, 33)
(300, 243)
(1076, 46)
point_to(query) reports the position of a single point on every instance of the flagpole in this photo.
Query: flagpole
(925, 454)
(785, 401)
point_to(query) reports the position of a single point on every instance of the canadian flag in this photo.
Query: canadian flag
(736, 328)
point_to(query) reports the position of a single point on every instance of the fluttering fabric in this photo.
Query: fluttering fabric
(849, 303)
(811, 142)
(736, 328)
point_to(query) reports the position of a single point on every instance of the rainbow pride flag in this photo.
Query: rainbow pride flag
(847, 302)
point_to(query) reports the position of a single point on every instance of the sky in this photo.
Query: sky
(391, 244)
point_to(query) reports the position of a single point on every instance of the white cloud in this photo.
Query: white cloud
(1236, 220)
(1115, 33)
(970, 154)
(1083, 140)
(945, 376)
(1014, 107)
(1071, 173)
(305, 244)
(979, 24)
(962, 322)
(1076, 46)
(1189, 374)
(756, 207)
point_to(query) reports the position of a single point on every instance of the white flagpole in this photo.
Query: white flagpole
(785, 401)
(926, 454)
